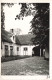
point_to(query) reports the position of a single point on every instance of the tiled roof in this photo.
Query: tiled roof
(25, 39)
(4, 36)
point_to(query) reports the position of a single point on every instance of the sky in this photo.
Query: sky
(11, 23)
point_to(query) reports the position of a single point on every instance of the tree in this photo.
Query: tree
(40, 21)
(26, 9)
(2, 16)
(17, 31)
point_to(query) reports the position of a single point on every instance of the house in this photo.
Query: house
(13, 45)
(5, 43)
(26, 45)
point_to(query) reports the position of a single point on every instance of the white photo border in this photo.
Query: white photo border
(42, 77)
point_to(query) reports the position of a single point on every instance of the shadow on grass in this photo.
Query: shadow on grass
(10, 58)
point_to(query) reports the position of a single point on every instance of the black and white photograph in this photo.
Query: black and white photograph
(25, 39)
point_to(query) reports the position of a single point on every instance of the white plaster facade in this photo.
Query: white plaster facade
(15, 49)
(3, 48)
(15, 46)
(29, 50)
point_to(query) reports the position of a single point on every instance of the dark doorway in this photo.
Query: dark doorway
(11, 50)
(6, 50)
(42, 51)
(36, 51)
(25, 51)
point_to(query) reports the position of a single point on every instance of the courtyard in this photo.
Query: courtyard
(28, 66)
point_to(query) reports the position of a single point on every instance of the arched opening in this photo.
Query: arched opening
(36, 51)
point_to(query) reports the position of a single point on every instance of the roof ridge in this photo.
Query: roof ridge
(24, 34)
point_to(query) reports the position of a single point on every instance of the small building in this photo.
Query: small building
(5, 43)
(13, 45)
(26, 45)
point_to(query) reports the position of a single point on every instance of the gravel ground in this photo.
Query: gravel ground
(27, 66)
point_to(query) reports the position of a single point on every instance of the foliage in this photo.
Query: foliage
(26, 9)
(2, 17)
(40, 21)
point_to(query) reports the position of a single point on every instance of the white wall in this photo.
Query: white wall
(29, 51)
(21, 49)
(15, 52)
(3, 48)
(14, 48)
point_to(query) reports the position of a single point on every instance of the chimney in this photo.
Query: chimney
(12, 30)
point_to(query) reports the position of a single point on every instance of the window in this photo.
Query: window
(6, 47)
(25, 49)
(17, 48)
(6, 50)
(13, 37)
(11, 50)
(11, 47)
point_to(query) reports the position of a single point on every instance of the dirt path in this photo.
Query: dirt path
(27, 66)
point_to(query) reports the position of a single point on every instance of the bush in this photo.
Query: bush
(9, 58)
